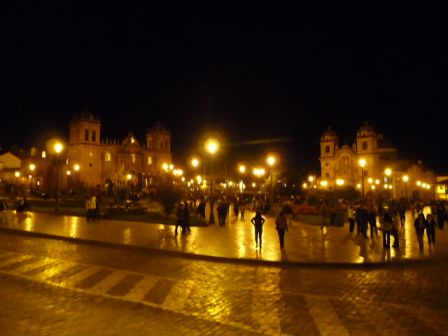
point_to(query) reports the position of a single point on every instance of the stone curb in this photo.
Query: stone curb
(254, 262)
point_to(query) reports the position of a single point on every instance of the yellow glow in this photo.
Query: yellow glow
(132, 140)
(242, 169)
(171, 166)
(390, 186)
(211, 146)
(419, 183)
(165, 166)
(362, 163)
(195, 162)
(128, 177)
(373, 187)
(388, 171)
(304, 186)
(423, 185)
(258, 172)
(17, 174)
(69, 172)
(340, 182)
(76, 167)
(377, 181)
(370, 180)
(58, 147)
(358, 186)
(178, 172)
(405, 178)
(254, 184)
(386, 186)
(183, 179)
(311, 178)
(271, 160)
(428, 187)
(324, 183)
(32, 167)
(44, 154)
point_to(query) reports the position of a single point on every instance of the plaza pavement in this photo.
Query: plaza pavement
(304, 244)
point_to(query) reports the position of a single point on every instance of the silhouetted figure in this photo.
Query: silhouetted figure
(431, 229)
(187, 217)
(179, 218)
(281, 225)
(419, 225)
(258, 222)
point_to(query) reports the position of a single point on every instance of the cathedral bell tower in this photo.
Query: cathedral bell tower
(85, 129)
(328, 147)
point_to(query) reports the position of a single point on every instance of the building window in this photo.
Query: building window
(108, 157)
(327, 175)
(149, 161)
(364, 145)
(93, 136)
(133, 158)
(86, 135)
(327, 149)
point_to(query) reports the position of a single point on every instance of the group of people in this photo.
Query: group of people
(392, 219)
(182, 218)
(281, 225)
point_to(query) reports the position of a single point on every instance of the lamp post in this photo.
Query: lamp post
(57, 149)
(211, 146)
(242, 170)
(195, 164)
(388, 173)
(271, 160)
(406, 180)
(362, 163)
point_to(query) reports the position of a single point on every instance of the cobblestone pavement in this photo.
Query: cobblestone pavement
(52, 287)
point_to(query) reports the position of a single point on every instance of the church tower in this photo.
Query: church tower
(366, 140)
(85, 129)
(158, 143)
(328, 147)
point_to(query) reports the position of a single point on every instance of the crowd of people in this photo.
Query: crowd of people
(391, 220)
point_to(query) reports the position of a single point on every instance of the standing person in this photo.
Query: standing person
(258, 222)
(441, 216)
(419, 225)
(179, 218)
(201, 209)
(402, 212)
(386, 227)
(395, 226)
(431, 229)
(93, 207)
(281, 225)
(236, 210)
(243, 209)
(371, 219)
(187, 217)
(351, 218)
(88, 206)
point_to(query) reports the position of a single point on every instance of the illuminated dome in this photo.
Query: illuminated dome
(329, 135)
(366, 131)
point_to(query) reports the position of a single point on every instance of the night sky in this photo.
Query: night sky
(247, 73)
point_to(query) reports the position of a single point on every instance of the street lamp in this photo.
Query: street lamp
(242, 170)
(211, 146)
(362, 163)
(56, 147)
(406, 180)
(271, 161)
(388, 173)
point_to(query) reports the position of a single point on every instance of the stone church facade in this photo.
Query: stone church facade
(342, 163)
(102, 161)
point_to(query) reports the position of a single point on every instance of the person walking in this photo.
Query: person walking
(179, 218)
(419, 225)
(371, 219)
(394, 231)
(431, 229)
(258, 222)
(3, 208)
(187, 217)
(236, 210)
(281, 225)
(351, 218)
(386, 227)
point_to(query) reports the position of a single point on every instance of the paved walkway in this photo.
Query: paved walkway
(303, 243)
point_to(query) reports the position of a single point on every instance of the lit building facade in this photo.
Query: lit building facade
(99, 161)
(341, 166)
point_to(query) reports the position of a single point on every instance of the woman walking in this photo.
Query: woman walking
(281, 225)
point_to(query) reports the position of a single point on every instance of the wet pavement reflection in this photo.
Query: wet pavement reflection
(236, 240)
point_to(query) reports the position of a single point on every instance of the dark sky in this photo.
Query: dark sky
(248, 73)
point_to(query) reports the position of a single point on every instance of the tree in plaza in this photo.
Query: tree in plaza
(168, 193)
